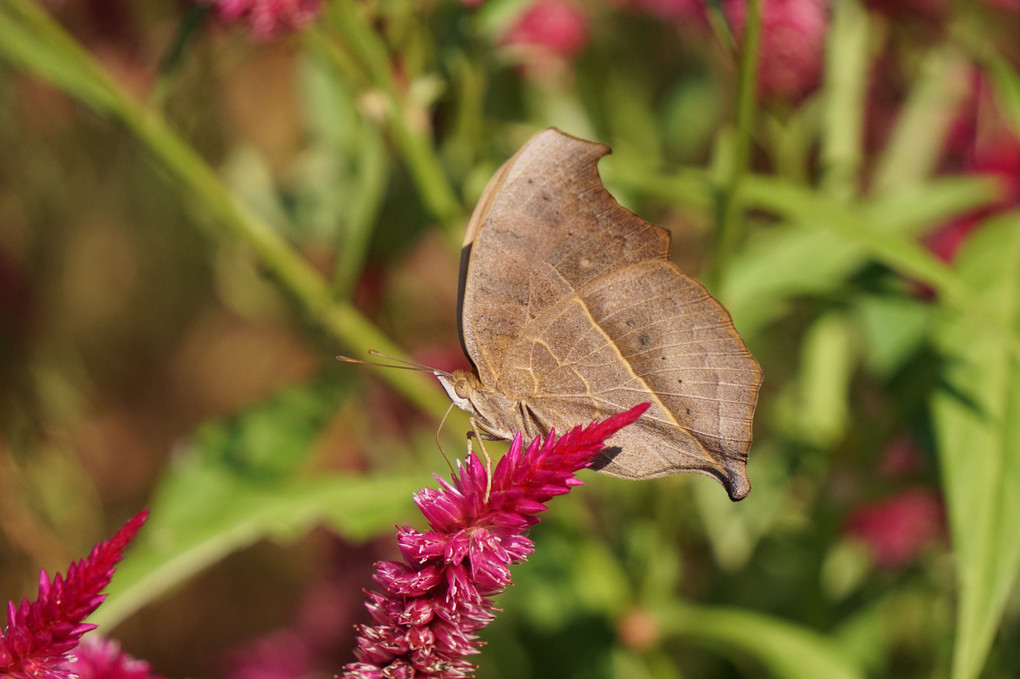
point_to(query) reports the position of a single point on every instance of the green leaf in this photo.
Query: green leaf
(846, 71)
(270, 440)
(825, 241)
(343, 175)
(916, 142)
(827, 362)
(203, 514)
(977, 424)
(788, 650)
(893, 328)
(1004, 77)
(236, 485)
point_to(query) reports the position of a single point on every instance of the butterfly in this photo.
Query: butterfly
(570, 311)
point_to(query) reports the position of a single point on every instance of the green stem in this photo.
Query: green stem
(730, 223)
(846, 81)
(30, 38)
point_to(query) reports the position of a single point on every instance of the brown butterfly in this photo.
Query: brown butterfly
(571, 311)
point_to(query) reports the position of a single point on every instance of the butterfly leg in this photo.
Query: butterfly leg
(477, 431)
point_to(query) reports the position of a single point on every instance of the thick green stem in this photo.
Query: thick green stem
(31, 39)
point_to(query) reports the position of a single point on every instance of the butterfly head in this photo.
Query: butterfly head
(460, 385)
(495, 410)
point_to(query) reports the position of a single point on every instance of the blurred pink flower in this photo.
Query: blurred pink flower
(41, 634)
(554, 26)
(321, 631)
(440, 595)
(283, 654)
(897, 528)
(980, 143)
(266, 19)
(100, 658)
(792, 45)
(947, 239)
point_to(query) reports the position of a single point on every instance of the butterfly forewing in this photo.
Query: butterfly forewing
(531, 242)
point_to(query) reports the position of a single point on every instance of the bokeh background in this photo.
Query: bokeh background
(202, 204)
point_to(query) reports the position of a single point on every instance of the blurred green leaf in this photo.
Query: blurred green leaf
(789, 651)
(893, 328)
(248, 175)
(236, 485)
(977, 423)
(202, 514)
(1004, 77)
(822, 241)
(825, 241)
(343, 174)
(846, 71)
(917, 140)
(733, 529)
(268, 441)
(827, 362)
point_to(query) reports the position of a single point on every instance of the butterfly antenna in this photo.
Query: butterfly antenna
(410, 364)
(407, 365)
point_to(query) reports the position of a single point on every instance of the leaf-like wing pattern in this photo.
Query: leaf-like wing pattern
(645, 332)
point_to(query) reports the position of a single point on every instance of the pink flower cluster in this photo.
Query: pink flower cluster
(897, 528)
(434, 601)
(554, 25)
(41, 634)
(266, 19)
(981, 143)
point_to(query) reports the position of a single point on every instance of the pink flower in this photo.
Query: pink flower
(280, 655)
(980, 143)
(266, 19)
(897, 528)
(947, 239)
(792, 45)
(436, 599)
(554, 26)
(101, 658)
(41, 634)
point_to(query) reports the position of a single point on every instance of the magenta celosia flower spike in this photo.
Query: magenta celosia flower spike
(440, 595)
(41, 634)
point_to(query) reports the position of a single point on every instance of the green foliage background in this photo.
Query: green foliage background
(197, 223)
